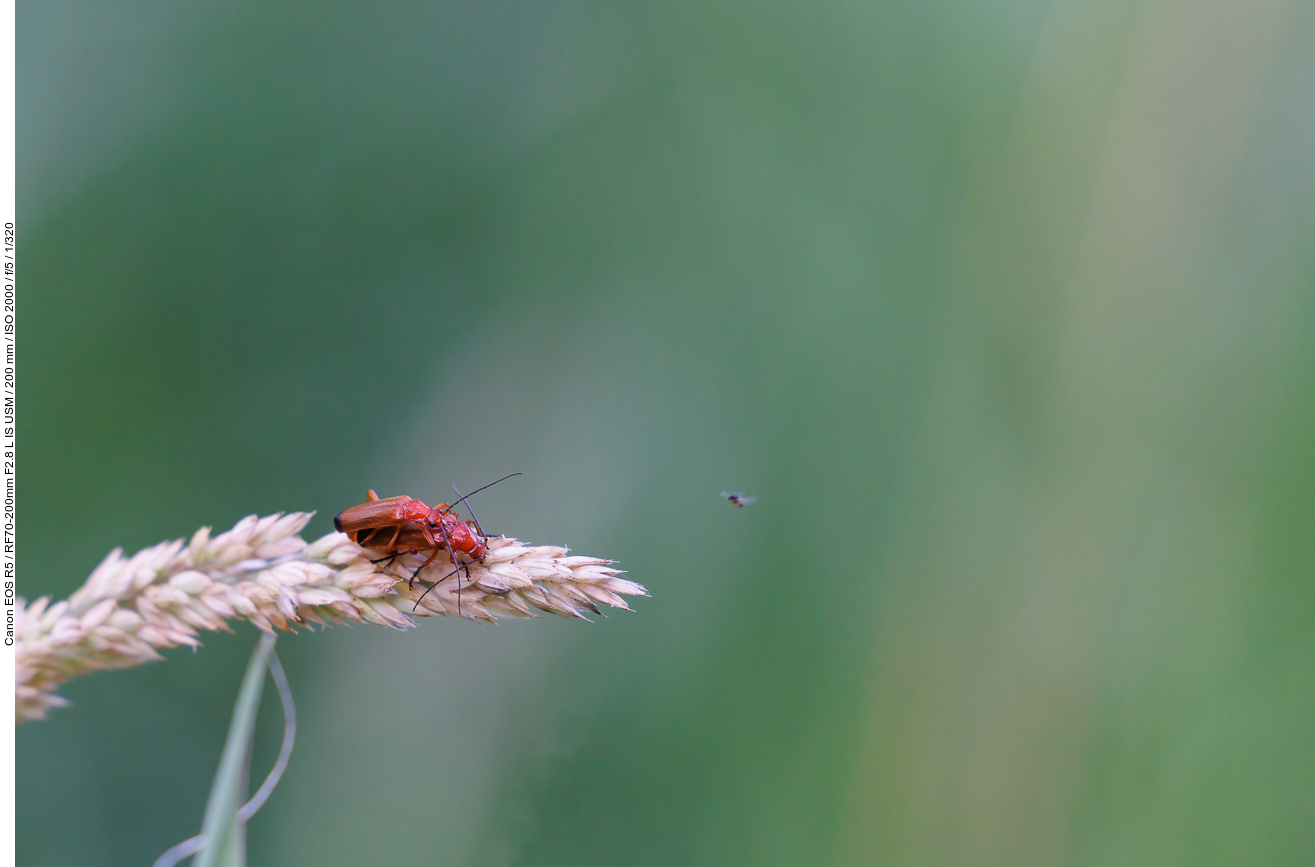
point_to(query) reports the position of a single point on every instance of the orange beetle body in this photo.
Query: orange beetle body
(361, 521)
(401, 523)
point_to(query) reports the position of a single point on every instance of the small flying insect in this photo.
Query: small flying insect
(740, 499)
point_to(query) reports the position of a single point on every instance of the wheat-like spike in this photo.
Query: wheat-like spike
(262, 571)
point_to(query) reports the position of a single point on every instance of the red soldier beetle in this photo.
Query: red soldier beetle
(398, 525)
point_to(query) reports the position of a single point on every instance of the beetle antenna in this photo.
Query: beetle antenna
(473, 516)
(477, 490)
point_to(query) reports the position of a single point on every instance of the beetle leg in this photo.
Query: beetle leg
(364, 539)
(430, 536)
(428, 530)
(455, 571)
(411, 581)
(398, 553)
(455, 562)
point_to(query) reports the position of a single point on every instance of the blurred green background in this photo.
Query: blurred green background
(1003, 310)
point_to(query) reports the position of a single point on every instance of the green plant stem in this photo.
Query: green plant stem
(224, 837)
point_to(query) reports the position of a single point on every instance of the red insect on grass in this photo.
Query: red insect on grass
(402, 525)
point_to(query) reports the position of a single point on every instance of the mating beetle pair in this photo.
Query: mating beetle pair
(401, 525)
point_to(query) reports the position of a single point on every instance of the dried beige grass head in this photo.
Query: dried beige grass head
(262, 571)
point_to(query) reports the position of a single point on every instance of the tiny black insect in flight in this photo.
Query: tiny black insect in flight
(739, 499)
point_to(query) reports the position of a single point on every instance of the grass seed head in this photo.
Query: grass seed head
(263, 572)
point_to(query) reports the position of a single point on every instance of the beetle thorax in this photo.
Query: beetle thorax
(416, 511)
